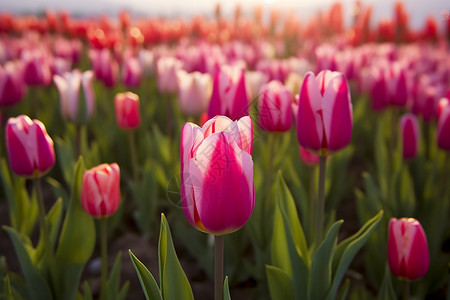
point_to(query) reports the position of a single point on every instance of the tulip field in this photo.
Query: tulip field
(248, 156)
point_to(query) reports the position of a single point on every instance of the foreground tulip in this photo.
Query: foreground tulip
(69, 89)
(409, 127)
(229, 97)
(100, 192)
(443, 134)
(217, 189)
(30, 148)
(408, 255)
(127, 110)
(325, 117)
(194, 92)
(274, 106)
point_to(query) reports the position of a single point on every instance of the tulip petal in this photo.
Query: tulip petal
(244, 131)
(19, 158)
(240, 101)
(418, 260)
(443, 133)
(45, 152)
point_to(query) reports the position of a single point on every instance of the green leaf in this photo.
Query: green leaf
(174, 283)
(344, 290)
(38, 286)
(280, 283)
(346, 251)
(387, 290)
(114, 281)
(226, 290)
(76, 242)
(320, 276)
(148, 283)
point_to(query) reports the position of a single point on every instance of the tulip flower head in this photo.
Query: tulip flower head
(69, 89)
(274, 105)
(30, 148)
(12, 85)
(194, 92)
(100, 191)
(131, 72)
(410, 135)
(325, 116)
(408, 254)
(217, 189)
(127, 110)
(443, 134)
(166, 69)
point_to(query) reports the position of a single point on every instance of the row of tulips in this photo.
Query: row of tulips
(227, 166)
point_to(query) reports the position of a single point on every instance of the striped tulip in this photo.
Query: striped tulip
(274, 106)
(100, 191)
(217, 189)
(408, 254)
(325, 116)
(30, 148)
(409, 127)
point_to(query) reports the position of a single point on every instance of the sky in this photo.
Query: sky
(419, 9)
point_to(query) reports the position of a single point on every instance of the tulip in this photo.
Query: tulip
(408, 255)
(69, 89)
(127, 110)
(217, 189)
(131, 72)
(194, 92)
(325, 117)
(274, 105)
(12, 86)
(30, 148)
(36, 68)
(105, 66)
(410, 135)
(100, 191)
(443, 133)
(166, 69)
(229, 97)
(254, 80)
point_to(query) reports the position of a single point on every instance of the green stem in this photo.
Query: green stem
(405, 290)
(41, 217)
(133, 153)
(218, 267)
(77, 141)
(312, 202)
(104, 254)
(427, 138)
(320, 208)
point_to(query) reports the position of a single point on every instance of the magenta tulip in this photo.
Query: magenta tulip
(100, 191)
(229, 97)
(36, 67)
(105, 67)
(127, 110)
(325, 116)
(443, 133)
(408, 254)
(131, 72)
(30, 148)
(217, 189)
(409, 127)
(12, 85)
(274, 106)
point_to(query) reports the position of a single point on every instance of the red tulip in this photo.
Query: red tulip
(30, 148)
(100, 191)
(127, 110)
(274, 106)
(408, 254)
(217, 189)
(410, 135)
(325, 116)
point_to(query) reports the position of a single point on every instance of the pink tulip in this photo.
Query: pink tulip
(443, 133)
(12, 86)
(131, 72)
(409, 127)
(166, 69)
(254, 80)
(30, 148)
(408, 255)
(194, 92)
(229, 97)
(69, 89)
(127, 110)
(100, 191)
(105, 66)
(217, 189)
(274, 106)
(325, 116)
(36, 67)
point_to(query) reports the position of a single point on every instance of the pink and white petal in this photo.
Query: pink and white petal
(19, 158)
(239, 107)
(418, 260)
(245, 133)
(217, 124)
(45, 152)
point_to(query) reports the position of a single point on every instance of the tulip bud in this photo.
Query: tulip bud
(408, 254)
(229, 97)
(325, 116)
(12, 86)
(100, 191)
(194, 92)
(274, 106)
(166, 69)
(443, 133)
(131, 72)
(217, 189)
(127, 110)
(36, 68)
(410, 135)
(30, 148)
